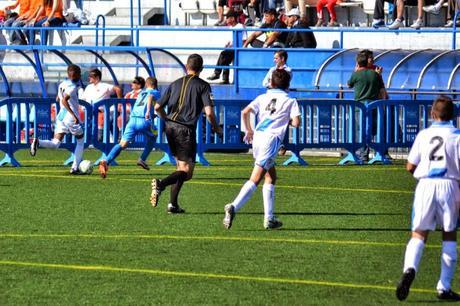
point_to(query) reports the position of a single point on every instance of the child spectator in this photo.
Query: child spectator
(137, 85)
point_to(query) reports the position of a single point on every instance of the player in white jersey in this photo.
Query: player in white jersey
(67, 120)
(275, 110)
(435, 161)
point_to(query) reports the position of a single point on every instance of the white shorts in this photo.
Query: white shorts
(265, 149)
(68, 125)
(436, 201)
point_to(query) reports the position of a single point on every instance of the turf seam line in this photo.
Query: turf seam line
(210, 238)
(205, 275)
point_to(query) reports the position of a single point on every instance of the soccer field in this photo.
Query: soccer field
(83, 240)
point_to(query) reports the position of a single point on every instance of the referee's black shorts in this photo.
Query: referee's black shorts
(181, 141)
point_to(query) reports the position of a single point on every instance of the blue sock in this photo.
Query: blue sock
(114, 153)
(148, 148)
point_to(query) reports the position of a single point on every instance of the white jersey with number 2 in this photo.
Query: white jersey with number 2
(435, 152)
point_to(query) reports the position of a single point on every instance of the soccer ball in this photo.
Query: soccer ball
(85, 167)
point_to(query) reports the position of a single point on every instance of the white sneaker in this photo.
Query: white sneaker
(449, 24)
(272, 223)
(396, 24)
(229, 215)
(432, 9)
(417, 24)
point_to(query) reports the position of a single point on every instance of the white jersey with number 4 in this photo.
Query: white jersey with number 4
(68, 88)
(436, 151)
(274, 110)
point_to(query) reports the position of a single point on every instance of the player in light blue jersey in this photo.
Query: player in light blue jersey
(275, 110)
(67, 120)
(140, 121)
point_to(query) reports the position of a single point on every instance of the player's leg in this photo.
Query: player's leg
(414, 251)
(448, 213)
(448, 265)
(173, 206)
(150, 133)
(182, 143)
(128, 135)
(50, 144)
(77, 131)
(268, 193)
(243, 196)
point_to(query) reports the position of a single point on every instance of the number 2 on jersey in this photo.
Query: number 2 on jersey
(438, 141)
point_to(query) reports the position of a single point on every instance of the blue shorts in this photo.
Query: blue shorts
(137, 125)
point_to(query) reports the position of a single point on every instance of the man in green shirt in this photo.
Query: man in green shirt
(367, 85)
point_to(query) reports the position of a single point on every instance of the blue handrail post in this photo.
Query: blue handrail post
(131, 18)
(237, 44)
(199, 144)
(9, 155)
(165, 13)
(454, 31)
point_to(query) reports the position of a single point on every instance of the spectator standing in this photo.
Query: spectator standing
(434, 162)
(366, 84)
(185, 98)
(273, 39)
(226, 56)
(299, 39)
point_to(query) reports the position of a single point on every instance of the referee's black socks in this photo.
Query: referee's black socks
(173, 178)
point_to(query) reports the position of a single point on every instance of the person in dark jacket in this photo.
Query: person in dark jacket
(299, 39)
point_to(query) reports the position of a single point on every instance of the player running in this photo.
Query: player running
(140, 121)
(67, 120)
(274, 111)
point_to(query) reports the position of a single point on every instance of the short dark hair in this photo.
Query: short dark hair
(73, 68)
(367, 52)
(443, 107)
(195, 62)
(152, 81)
(282, 53)
(281, 79)
(271, 12)
(139, 80)
(361, 59)
(96, 72)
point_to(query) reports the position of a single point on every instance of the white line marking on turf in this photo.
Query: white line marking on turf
(204, 275)
(208, 238)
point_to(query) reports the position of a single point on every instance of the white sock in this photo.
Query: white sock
(414, 251)
(78, 154)
(51, 144)
(245, 194)
(448, 263)
(439, 4)
(268, 193)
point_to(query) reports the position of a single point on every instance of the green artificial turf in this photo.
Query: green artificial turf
(83, 240)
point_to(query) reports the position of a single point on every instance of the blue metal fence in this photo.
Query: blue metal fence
(339, 124)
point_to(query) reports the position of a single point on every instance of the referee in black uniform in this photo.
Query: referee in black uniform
(185, 99)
